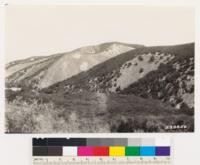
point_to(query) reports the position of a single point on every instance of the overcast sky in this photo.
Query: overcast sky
(45, 30)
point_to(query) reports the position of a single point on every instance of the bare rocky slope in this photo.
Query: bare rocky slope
(40, 72)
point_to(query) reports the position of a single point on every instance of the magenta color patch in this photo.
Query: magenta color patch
(85, 151)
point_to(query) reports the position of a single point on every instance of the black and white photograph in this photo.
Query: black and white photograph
(99, 69)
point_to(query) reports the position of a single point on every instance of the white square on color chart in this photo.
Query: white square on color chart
(69, 151)
(163, 142)
(148, 141)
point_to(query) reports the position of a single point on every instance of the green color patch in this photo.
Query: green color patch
(132, 151)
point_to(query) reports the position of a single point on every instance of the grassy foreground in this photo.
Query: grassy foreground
(93, 112)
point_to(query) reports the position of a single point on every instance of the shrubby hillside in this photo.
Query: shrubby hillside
(165, 73)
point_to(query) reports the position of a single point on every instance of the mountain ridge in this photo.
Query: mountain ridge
(20, 71)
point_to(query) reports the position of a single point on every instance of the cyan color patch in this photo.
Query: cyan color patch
(147, 151)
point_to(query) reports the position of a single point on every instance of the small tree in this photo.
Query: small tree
(151, 59)
(118, 89)
(141, 70)
(140, 58)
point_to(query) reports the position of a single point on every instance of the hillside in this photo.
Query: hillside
(163, 72)
(40, 72)
(92, 112)
(118, 89)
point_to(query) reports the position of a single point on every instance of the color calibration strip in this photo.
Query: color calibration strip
(100, 147)
(107, 150)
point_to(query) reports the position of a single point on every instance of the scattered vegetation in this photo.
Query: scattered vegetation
(35, 117)
(141, 70)
(169, 83)
(151, 59)
(140, 58)
(24, 117)
(102, 74)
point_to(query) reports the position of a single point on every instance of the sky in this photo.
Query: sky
(38, 30)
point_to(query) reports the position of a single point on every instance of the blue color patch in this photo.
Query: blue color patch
(147, 151)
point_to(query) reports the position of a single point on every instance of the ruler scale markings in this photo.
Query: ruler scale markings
(118, 160)
(101, 151)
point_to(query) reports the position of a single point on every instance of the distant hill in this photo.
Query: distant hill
(162, 72)
(40, 72)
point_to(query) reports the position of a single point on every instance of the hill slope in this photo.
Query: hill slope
(92, 112)
(163, 72)
(40, 72)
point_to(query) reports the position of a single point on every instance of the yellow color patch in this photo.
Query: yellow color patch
(116, 151)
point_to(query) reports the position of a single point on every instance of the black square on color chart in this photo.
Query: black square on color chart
(40, 151)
